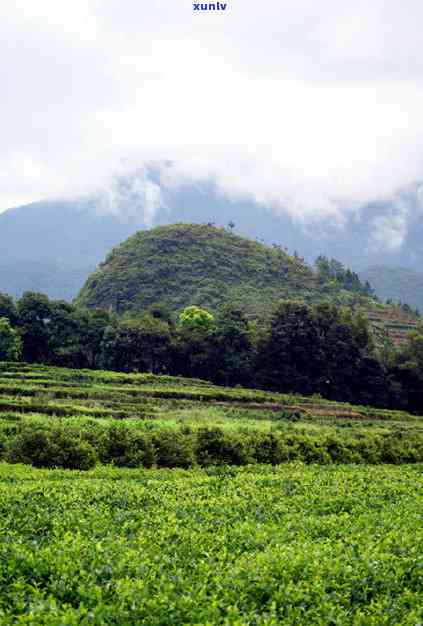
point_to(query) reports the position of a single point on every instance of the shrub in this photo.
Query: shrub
(126, 447)
(270, 448)
(398, 450)
(341, 452)
(174, 448)
(214, 446)
(50, 448)
(312, 451)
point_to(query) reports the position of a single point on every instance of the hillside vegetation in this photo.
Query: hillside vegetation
(67, 239)
(186, 264)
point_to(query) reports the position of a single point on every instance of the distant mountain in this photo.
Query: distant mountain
(53, 246)
(185, 264)
(398, 284)
(58, 281)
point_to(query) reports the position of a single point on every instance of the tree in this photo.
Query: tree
(289, 354)
(193, 319)
(344, 340)
(323, 269)
(407, 373)
(334, 270)
(194, 343)
(8, 308)
(62, 335)
(10, 342)
(371, 383)
(233, 347)
(137, 344)
(34, 313)
(91, 329)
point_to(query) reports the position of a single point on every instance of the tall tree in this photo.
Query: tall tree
(137, 344)
(34, 313)
(289, 355)
(233, 347)
(8, 308)
(10, 342)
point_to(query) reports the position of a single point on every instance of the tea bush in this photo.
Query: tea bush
(225, 546)
(49, 445)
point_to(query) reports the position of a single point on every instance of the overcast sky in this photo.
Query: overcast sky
(311, 106)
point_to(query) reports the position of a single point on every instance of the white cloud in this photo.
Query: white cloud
(314, 108)
(389, 231)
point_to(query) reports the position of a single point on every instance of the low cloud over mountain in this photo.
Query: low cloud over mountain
(312, 110)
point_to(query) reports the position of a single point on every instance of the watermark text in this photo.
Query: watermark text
(210, 6)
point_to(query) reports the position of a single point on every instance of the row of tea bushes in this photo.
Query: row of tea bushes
(45, 444)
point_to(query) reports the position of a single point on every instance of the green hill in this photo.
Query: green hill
(186, 264)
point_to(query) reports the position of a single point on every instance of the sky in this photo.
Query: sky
(313, 108)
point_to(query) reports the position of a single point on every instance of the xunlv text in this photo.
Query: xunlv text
(213, 6)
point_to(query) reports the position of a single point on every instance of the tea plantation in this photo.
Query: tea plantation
(52, 417)
(258, 545)
(277, 509)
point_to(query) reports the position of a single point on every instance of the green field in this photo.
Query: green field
(203, 505)
(237, 546)
(53, 417)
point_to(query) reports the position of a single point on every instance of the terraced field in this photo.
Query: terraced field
(177, 422)
(312, 530)
(393, 322)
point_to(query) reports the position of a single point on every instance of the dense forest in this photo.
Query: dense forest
(301, 348)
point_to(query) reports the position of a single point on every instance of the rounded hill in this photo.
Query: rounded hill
(184, 264)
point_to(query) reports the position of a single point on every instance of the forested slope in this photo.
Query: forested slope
(186, 264)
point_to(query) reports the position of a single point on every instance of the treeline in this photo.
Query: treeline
(334, 271)
(303, 349)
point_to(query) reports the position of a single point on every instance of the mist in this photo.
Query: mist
(313, 111)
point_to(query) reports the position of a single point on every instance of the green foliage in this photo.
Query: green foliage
(320, 349)
(124, 447)
(242, 547)
(10, 342)
(137, 344)
(8, 308)
(53, 417)
(191, 264)
(215, 447)
(175, 448)
(55, 446)
(293, 346)
(234, 347)
(334, 271)
(193, 319)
